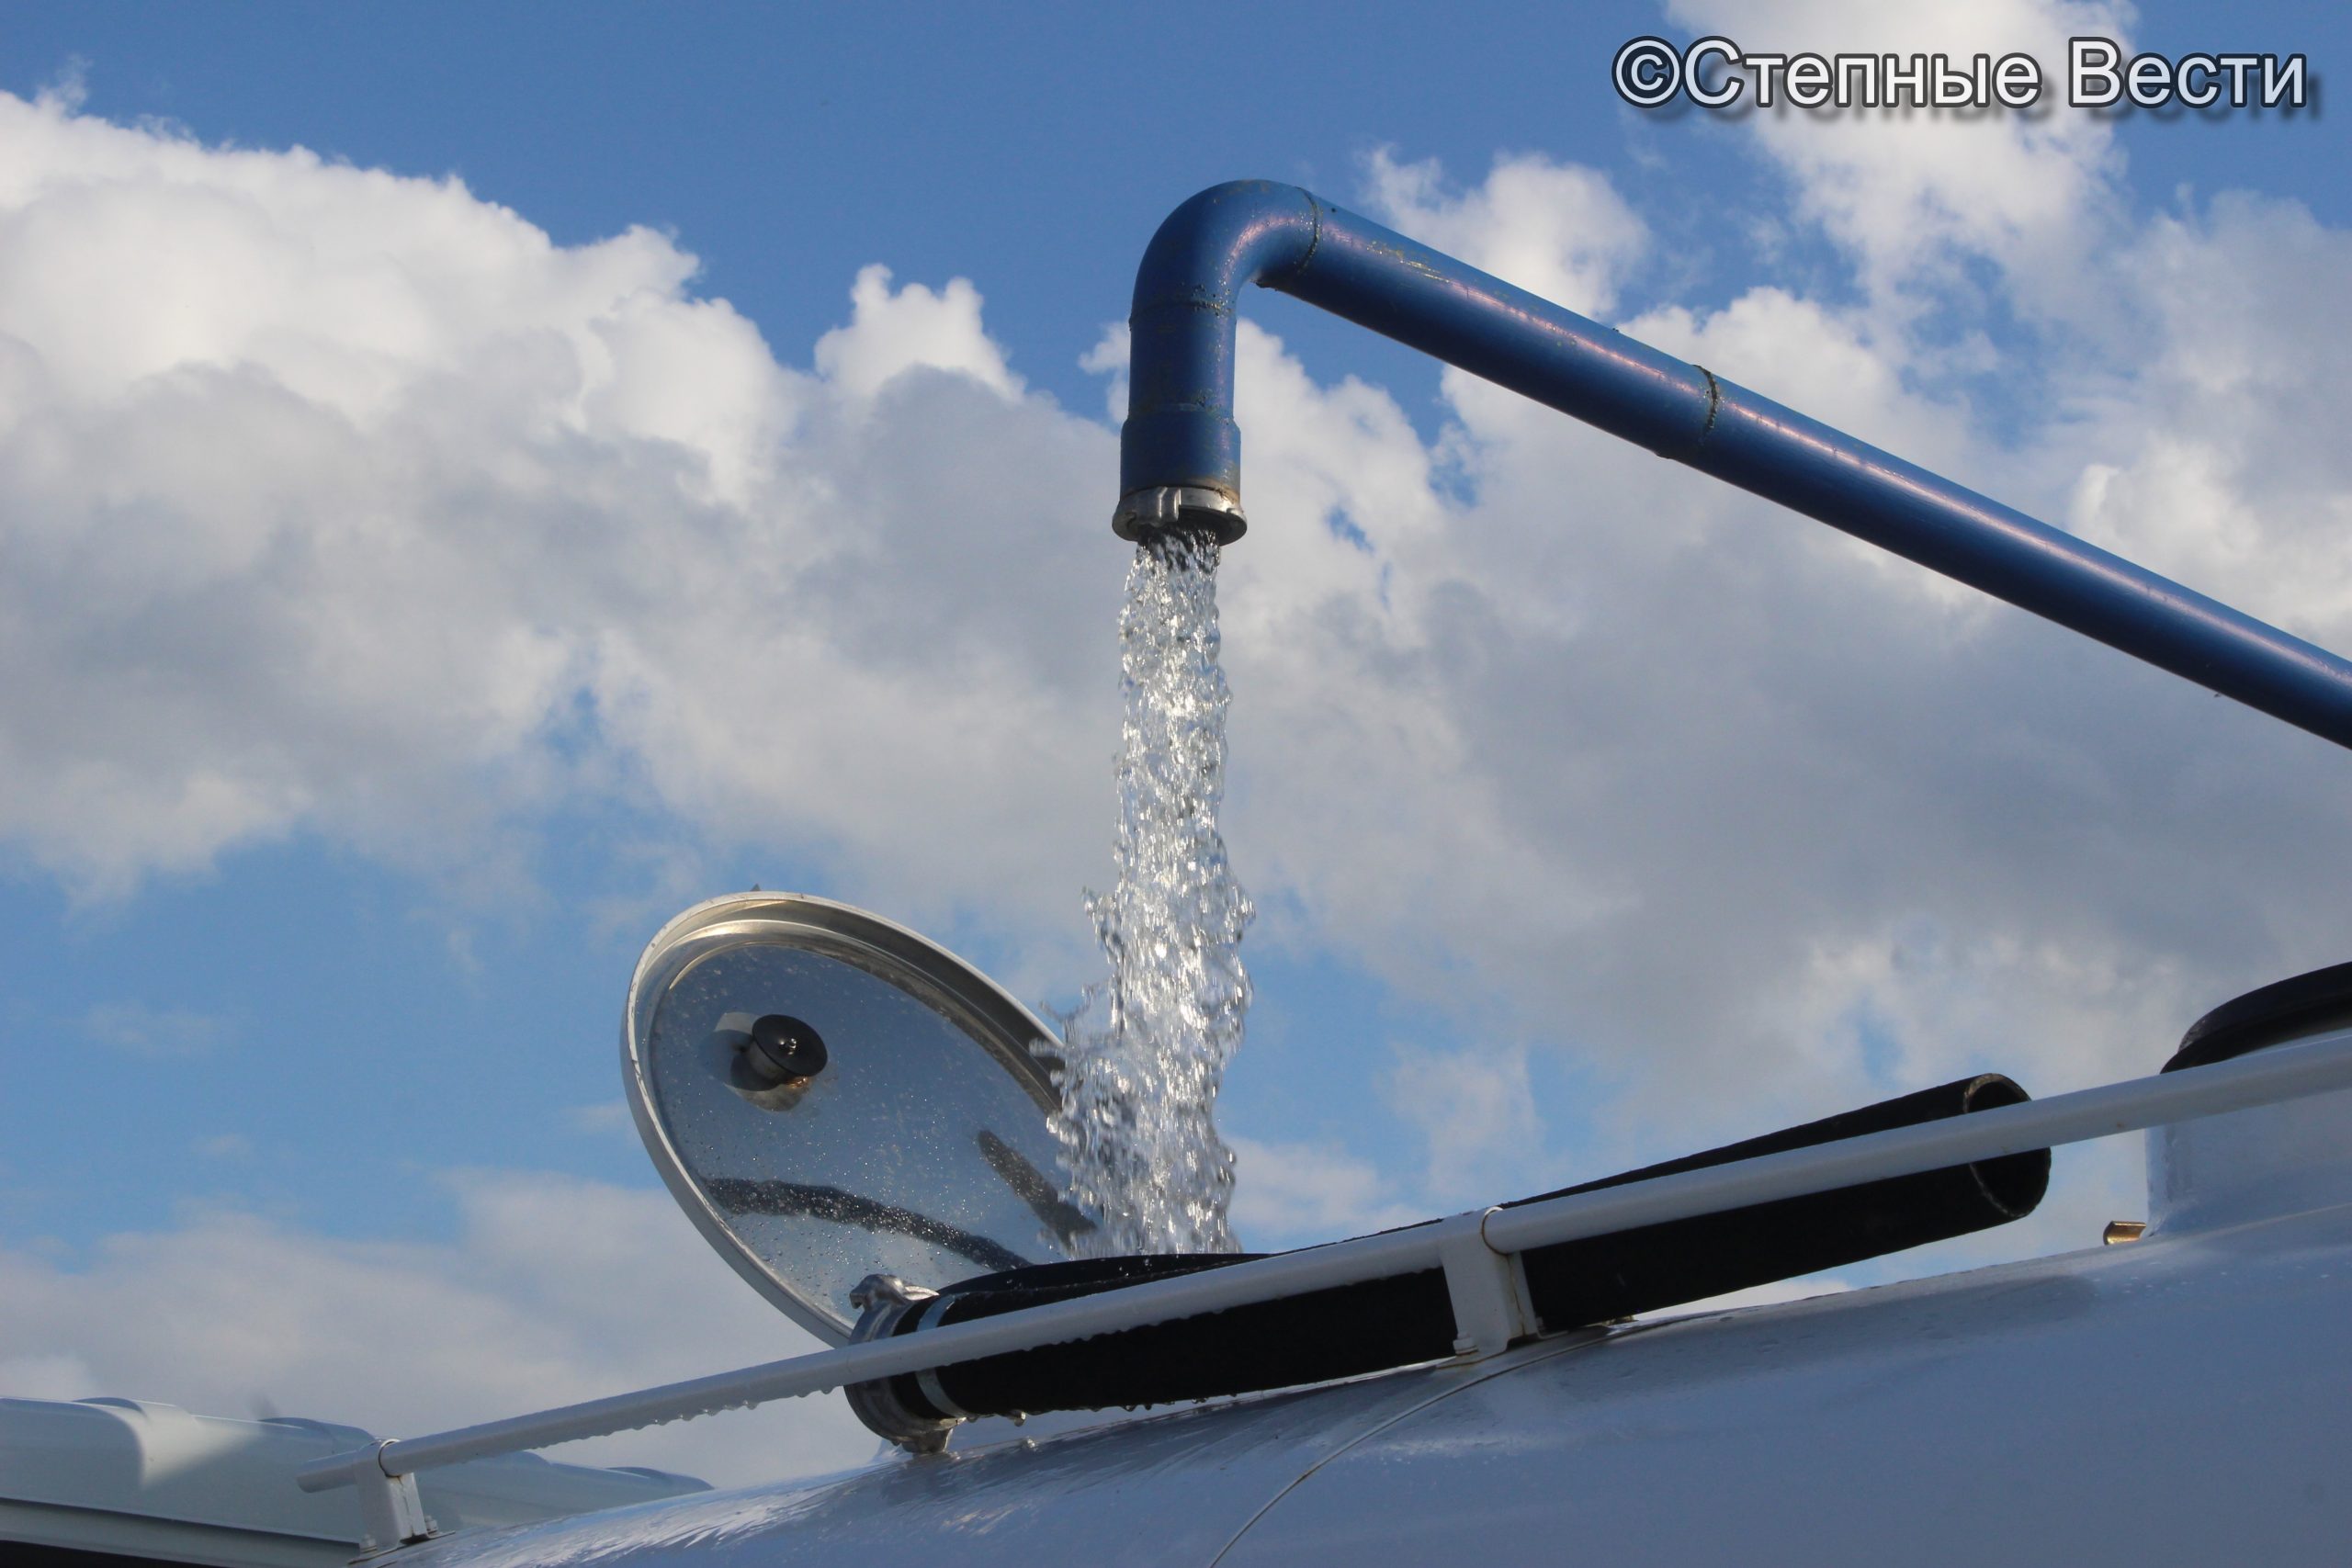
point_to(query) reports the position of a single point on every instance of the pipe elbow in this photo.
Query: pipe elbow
(1179, 449)
(1228, 236)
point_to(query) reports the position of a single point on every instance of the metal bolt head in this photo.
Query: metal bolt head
(784, 1050)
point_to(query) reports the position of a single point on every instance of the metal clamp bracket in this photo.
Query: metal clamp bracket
(1488, 1289)
(392, 1511)
(883, 1301)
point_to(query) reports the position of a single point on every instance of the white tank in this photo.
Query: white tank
(2186, 1398)
(129, 1481)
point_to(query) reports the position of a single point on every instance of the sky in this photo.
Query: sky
(474, 482)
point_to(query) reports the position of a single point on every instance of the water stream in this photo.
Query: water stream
(1147, 1046)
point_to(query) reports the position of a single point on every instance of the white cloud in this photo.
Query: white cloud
(604, 1116)
(1477, 1114)
(1297, 1194)
(2221, 463)
(891, 334)
(342, 503)
(553, 1290)
(1912, 196)
(1556, 230)
(155, 1033)
(46, 1377)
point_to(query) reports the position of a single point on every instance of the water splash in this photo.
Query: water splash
(1147, 1048)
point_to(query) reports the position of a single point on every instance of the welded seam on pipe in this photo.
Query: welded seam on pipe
(1314, 238)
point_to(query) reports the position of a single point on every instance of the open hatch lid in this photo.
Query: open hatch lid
(830, 1096)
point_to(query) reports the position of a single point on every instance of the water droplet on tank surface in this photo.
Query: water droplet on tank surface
(1147, 1047)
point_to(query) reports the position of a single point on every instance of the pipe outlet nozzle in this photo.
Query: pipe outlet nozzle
(1164, 508)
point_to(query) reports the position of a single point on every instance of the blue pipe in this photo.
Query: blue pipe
(1181, 450)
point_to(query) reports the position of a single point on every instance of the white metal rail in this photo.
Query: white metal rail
(1469, 1246)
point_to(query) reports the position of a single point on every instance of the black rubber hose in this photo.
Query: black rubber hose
(1607, 1276)
(2291, 1008)
(1353, 1329)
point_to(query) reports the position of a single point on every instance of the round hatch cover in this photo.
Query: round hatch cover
(828, 1096)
